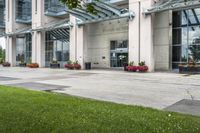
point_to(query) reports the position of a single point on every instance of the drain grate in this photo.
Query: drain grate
(7, 78)
(40, 86)
(186, 106)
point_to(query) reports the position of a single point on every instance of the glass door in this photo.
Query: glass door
(118, 53)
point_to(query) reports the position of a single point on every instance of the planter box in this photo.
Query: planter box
(22, 64)
(189, 70)
(54, 65)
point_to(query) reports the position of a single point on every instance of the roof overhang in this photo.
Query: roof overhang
(20, 31)
(53, 26)
(105, 11)
(165, 5)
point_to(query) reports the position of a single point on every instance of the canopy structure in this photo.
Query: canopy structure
(105, 11)
(2, 34)
(164, 5)
(54, 26)
(59, 29)
(20, 31)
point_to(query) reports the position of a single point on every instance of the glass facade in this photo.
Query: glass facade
(118, 53)
(24, 48)
(56, 49)
(186, 37)
(54, 6)
(24, 11)
(2, 13)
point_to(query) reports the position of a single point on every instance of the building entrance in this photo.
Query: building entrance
(118, 53)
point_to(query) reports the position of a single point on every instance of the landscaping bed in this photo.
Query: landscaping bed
(28, 111)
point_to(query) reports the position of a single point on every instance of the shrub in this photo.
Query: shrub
(33, 65)
(131, 63)
(142, 63)
(6, 64)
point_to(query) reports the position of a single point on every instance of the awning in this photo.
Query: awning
(20, 31)
(105, 11)
(2, 34)
(53, 26)
(164, 5)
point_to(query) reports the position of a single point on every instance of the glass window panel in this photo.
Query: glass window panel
(176, 51)
(194, 52)
(194, 35)
(176, 19)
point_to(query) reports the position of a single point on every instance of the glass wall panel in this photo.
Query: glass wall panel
(24, 10)
(118, 53)
(2, 13)
(56, 49)
(186, 36)
(24, 48)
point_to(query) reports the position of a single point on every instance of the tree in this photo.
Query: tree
(71, 4)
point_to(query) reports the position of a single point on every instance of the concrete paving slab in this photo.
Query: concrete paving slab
(186, 106)
(39, 86)
(2, 78)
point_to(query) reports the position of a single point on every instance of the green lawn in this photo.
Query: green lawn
(25, 111)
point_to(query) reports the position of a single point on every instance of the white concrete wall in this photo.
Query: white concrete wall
(98, 40)
(162, 40)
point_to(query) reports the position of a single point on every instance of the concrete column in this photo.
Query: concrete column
(146, 35)
(11, 50)
(80, 45)
(134, 32)
(34, 49)
(38, 48)
(73, 40)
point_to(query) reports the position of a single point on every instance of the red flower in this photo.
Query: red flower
(132, 68)
(143, 68)
(69, 66)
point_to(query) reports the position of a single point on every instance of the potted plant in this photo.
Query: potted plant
(77, 66)
(142, 67)
(131, 67)
(69, 65)
(190, 68)
(54, 64)
(33, 65)
(6, 64)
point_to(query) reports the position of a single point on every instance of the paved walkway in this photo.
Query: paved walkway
(157, 90)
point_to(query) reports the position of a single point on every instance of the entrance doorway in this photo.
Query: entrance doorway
(118, 53)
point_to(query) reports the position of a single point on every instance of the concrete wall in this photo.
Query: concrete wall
(98, 40)
(162, 40)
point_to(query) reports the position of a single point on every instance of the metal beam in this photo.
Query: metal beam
(195, 15)
(173, 5)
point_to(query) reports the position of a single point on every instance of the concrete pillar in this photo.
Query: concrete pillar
(80, 45)
(141, 34)
(146, 35)
(11, 50)
(73, 40)
(38, 48)
(134, 33)
(34, 48)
